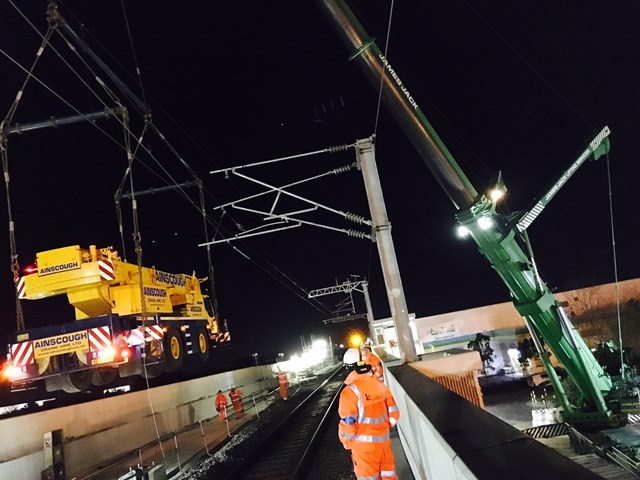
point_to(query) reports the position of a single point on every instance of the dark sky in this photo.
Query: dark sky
(520, 87)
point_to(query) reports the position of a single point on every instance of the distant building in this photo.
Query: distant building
(502, 323)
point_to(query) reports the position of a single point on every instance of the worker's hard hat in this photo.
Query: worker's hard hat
(351, 356)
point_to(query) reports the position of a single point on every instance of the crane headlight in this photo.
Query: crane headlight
(462, 231)
(498, 190)
(485, 223)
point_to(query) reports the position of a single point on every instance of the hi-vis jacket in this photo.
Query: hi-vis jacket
(376, 365)
(221, 402)
(367, 412)
(235, 395)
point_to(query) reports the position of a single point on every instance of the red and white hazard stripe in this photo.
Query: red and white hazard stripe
(22, 354)
(107, 271)
(21, 287)
(99, 338)
(224, 337)
(154, 332)
(136, 337)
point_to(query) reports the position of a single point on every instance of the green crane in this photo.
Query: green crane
(502, 239)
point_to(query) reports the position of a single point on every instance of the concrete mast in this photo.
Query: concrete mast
(367, 163)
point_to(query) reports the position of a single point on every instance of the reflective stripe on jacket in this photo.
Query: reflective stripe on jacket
(235, 395)
(221, 401)
(367, 410)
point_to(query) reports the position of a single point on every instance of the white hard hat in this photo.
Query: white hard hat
(351, 356)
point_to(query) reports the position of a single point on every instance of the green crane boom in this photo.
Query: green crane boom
(501, 239)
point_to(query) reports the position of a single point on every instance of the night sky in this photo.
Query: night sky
(520, 87)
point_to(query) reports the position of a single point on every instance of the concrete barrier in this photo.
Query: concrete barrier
(444, 436)
(97, 432)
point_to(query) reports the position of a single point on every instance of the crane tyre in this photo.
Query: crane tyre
(103, 376)
(76, 382)
(53, 384)
(152, 370)
(173, 350)
(202, 346)
(131, 368)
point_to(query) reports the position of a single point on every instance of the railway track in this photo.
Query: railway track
(289, 449)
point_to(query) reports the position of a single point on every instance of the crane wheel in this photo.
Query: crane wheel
(131, 368)
(152, 370)
(173, 350)
(103, 376)
(73, 382)
(202, 347)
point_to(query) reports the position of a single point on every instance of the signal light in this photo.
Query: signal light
(12, 372)
(29, 269)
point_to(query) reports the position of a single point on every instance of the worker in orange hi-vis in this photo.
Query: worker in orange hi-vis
(236, 399)
(367, 412)
(372, 359)
(221, 406)
(283, 381)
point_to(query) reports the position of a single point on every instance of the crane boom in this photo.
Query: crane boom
(497, 236)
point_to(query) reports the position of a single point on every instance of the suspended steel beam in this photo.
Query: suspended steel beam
(346, 318)
(66, 120)
(154, 190)
(345, 287)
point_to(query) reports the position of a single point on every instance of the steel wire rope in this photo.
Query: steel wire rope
(114, 98)
(15, 266)
(133, 53)
(610, 191)
(130, 156)
(384, 70)
(46, 41)
(121, 186)
(146, 94)
(126, 147)
(205, 217)
(280, 281)
(378, 107)
(528, 64)
(289, 278)
(138, 241)
(59, 97)
(189, 169)
(202, 208)
(615, 265)
(143, 304)
(272, 266)
(163, 138)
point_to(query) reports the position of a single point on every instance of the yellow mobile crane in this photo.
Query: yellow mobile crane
(129, 319)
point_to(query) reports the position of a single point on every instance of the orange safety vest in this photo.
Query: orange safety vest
(221, 402)
(283, 380)
(376, 365)
(235, 395)
(367, 411)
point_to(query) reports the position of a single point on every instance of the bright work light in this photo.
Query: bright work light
(485, 223)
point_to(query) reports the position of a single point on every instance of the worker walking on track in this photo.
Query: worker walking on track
(372, 359)
(283, 381)
(221, 406)
(236, 399)
(367, 412)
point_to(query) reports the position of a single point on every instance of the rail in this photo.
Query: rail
(295, 434)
